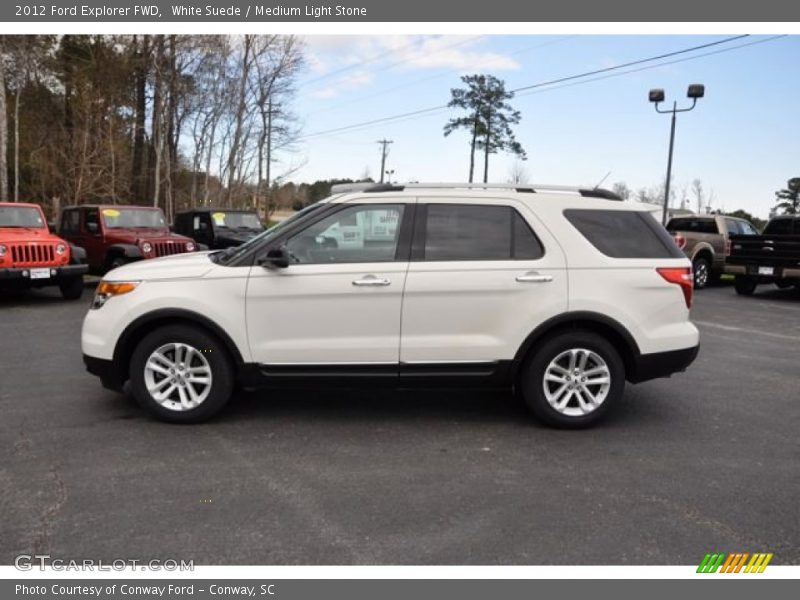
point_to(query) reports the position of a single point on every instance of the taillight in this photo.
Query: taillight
(728, 247)
(681, 276)
(680, 241)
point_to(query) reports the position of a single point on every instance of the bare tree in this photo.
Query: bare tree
(517, 173)
(3, 126)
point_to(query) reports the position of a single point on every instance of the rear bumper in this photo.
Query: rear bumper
(110, 376)
(779, 272)
(661, 364)
(22, 275)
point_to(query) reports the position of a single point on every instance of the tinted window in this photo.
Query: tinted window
(91, 220)
(473, 232)
(693, 225)
(70, 221)
(733, 227)
(624, 234)
(779, 227)
(367, 233)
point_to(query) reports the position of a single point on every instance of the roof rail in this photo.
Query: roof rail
(343, 188)
(364, 186)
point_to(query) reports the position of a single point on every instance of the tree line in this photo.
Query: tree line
(164, 120)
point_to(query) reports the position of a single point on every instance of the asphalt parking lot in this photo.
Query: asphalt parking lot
(705, 461)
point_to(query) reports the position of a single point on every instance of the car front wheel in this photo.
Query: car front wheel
(72, 288)
(181, 374)
(745, 285)
(573, 379)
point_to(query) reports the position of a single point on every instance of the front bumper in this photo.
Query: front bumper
(21, 275)
(110, 376)
(661, 364)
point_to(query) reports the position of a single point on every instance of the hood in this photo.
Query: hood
(190, 265)
(27, 234)
(149, 235)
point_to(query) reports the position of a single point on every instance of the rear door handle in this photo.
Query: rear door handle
(534, 277)
(371, 281)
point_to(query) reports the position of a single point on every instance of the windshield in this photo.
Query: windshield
(21, 216)
(237, 220)
(231, 254)
(116, 218)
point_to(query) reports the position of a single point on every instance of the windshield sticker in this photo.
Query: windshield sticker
(219, 218)
(110, 212)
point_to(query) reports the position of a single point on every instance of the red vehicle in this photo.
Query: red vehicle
(31, 256)
(116, 235)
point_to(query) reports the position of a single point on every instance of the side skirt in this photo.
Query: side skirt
(495, 374)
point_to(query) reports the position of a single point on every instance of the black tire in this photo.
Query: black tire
(745, 285)
(214, 352)
(71, 288)
(116, 261)
(701, 268)
(532, 378)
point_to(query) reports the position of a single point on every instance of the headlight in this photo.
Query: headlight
(3, 250)
(146, 247)
(109, 289)
(189, 246)
(60, 249)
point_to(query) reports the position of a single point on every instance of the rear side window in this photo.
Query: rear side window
(624, 234)
(779, 227)
(693, 225)
(478, 232)
(70, 222)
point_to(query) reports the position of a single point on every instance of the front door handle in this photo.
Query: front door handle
(534, 277)
(372, 281)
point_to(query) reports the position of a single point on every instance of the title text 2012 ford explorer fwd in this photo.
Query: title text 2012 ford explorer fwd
(31, 256)
(116, 235)
(705, 240)
(561, 293)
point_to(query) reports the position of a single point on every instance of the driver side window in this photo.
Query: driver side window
(356, 234)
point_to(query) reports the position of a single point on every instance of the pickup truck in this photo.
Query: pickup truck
(32, 257)
(704, 239)
(116, 235)
(773, 257)
(218, 228)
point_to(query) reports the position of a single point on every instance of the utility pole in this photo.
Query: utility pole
(384, 152)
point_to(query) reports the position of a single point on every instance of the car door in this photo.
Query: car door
(338, 302)
(482, 277)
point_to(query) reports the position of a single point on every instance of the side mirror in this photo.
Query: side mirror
(93, 228)
(277, 258)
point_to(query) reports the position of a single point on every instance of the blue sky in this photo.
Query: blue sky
(742, 140)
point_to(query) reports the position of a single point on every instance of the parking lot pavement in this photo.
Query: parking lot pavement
(705, 461)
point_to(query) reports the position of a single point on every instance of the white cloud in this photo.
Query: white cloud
(329, 55)
(350, 81)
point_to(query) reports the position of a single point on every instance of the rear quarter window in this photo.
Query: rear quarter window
(624, 234)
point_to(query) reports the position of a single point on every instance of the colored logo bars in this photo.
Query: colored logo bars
(735, 562)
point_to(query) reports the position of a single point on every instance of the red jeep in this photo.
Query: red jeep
(31, 256)
(115, 235)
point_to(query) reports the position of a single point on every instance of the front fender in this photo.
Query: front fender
(77, 255)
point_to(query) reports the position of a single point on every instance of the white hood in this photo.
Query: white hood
(190, 265)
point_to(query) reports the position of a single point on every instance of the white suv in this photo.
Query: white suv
(561, 293)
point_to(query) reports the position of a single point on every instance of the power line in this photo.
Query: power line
(383, 55)
(552, 82)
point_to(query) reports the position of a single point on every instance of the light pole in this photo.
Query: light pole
(695, 91)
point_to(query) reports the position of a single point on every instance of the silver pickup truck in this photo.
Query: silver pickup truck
(705, 240)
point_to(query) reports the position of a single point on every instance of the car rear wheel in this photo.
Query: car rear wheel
(745, 285)
(573, 379)
(702, 272)
(181, 374)
(72, 288)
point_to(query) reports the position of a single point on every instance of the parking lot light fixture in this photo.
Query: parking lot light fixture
(656, 96)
